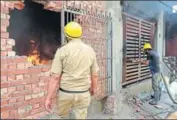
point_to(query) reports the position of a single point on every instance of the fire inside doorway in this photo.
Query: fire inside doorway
(37, 32)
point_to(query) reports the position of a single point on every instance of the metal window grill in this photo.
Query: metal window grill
(136, 33)
(97, 32)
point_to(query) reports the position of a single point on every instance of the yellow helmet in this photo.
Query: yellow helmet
(147, 46)
(73, 30)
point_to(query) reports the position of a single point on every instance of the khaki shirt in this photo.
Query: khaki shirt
(75, 62)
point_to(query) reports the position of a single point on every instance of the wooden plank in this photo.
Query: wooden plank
(130, 63)
(132, 49)
(142, 56)
(146, 25)
(132, 24)
(132, 20)
(144, 68)
(146, 34)
(135, 57)
(132, 27)
(129, 20)
(132, 31)
(145, 74)
(132, 52)
(132, 38)
(146, 31)
(132, 70)
(132, 41)
(145, 28)
(133, 77)
(132, 74)
(130, 67)
(144, 41)
(132, 45)
(145, 37)
(132, 56)
(132, 34)
(142, 65)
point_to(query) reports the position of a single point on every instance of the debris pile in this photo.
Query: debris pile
(110, 106)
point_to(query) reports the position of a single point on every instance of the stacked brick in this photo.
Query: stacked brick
(111, 105)
(24, 86)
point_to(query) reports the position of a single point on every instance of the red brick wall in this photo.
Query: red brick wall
(24, 86)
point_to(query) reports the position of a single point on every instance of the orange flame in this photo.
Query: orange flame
(34, 55)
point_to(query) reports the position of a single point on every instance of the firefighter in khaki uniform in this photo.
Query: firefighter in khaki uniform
(75, 69)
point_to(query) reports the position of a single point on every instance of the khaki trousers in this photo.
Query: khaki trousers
(77, 102)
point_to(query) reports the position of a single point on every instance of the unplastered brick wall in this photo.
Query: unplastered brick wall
(95, 35)
(23, 85)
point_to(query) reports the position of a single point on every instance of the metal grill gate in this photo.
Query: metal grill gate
(97, 32)
(136, 33)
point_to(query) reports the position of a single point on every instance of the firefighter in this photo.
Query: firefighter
(75, 70)
(153, 61)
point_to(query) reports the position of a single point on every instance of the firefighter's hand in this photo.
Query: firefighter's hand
(92, 91)
(48, 105)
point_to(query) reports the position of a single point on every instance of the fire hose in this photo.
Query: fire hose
(168, 91)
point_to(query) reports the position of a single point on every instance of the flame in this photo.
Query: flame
(34, 55)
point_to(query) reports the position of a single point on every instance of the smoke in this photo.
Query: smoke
(147, 10)
(171, 24)
(171, 34)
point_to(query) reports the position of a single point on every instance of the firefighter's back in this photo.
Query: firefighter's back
(76, 66)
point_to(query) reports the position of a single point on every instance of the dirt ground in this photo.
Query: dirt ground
(130, 110)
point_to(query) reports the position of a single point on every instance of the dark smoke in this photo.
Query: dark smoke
(171, 24)
(171, 34)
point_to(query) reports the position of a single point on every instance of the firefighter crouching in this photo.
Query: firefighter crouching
(153, 61)
(75, 70)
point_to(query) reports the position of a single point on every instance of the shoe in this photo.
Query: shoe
(152, 96)
(154, 102)
(157, 95)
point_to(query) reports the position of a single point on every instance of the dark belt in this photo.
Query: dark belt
(73, 91)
